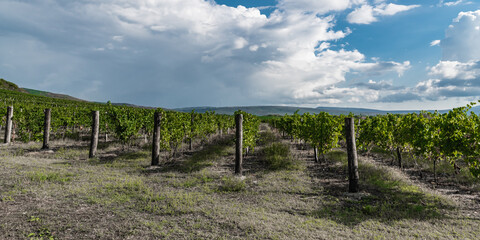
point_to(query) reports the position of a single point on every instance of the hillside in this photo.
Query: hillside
(49, 94)
(4, 84)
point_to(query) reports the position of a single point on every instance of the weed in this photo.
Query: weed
(43, 233)
(170, 203)
(70, 153)
(196, 179)
(44, 176)
(337, 156)
(204, 158)
(277, 156)
(386, 197)
(122, 191)
(7, 198)
(232, 184)
(19, 152)
(266, 138)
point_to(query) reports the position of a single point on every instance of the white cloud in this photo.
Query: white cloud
(253, 48)
(367, 14)
(462, 39)
(240, 43)
(392, 9)
(458, 73)
(308, 77)
(453, 3)
(435, 43)
(318, 6)
(117, 38)
(456, 70)
(191, 52)
(362, 15)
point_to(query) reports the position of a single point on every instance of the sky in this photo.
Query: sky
(382, 54)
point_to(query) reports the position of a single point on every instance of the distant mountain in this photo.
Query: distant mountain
(256, 110)
(282, 110)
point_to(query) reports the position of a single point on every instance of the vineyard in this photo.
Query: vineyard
(221, 176)
(452, 137)
(73, 119)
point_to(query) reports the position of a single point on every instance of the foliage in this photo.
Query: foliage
(125, 123)
(251, 125)
(321, 131)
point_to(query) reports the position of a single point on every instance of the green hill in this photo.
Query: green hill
(49, 94)
(4, 84)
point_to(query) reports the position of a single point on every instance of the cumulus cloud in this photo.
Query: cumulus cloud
(462, 38)
(435, 43)
(362, 15)
(458, 73)
(183, 53)
(367, 14)
(318, 6)
(456, 70)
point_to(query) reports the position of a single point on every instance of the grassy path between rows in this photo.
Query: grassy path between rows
(285, 195)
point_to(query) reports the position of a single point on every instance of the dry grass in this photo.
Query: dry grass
(62, 195)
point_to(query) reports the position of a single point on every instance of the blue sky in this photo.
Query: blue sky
(177, 53)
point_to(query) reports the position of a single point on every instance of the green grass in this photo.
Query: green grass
(337, 156)
(203, 158)
(122, 197)
(232, 184)
(445, 170)
(45, 176)
(266, 138)
(277, 156)
(42, 232)
(384, 196)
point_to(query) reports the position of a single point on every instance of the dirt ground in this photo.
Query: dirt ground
(60, 194)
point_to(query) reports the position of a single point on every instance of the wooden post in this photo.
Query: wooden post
(399, 156)
(192, 120)
(157, 118)
(95, 130)
(8, 124)
(239, 144)
(352, 155)
(46, 128)
(106, 132)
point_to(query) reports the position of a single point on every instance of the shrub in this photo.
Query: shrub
(232, 184)
(267, 138)
(277, 156)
